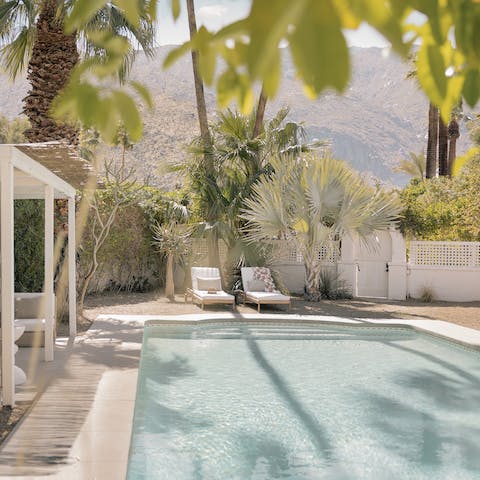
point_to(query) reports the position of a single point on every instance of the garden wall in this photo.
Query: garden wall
(449, 271)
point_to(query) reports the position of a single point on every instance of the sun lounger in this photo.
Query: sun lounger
(259, 288)
(207, 288)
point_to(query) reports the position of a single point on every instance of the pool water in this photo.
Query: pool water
(254, 401)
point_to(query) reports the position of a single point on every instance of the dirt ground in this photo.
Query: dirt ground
(154, 303)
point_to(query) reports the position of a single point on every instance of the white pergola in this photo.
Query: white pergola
(36, 171)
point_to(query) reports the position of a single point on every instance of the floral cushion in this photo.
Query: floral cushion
(263, 273)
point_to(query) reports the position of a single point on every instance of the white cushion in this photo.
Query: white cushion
(217, 295)
(268, 296)
(256, 286)
(209, 283)
(31, 324)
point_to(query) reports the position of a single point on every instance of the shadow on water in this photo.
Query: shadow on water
(165, 372)
(272, 455)
(422, 437)
(163, 419)
(429, 433)
(310, 423)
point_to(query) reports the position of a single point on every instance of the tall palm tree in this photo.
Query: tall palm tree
(199, 88)
(312, 200)
(442, 148)
(453, 135)
(432, 141)
(31, 33)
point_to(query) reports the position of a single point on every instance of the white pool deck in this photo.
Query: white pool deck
(80, 425)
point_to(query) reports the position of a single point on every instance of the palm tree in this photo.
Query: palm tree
(240, 159)
(173, 241)
(414, 166)
(453, 134)
(312, 200)
(442, 148)
(432, 141)
(32, 33)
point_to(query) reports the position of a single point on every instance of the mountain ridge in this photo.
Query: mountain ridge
(378, 120)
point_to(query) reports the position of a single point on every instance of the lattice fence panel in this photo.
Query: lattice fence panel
(445, 254)
(284, 252)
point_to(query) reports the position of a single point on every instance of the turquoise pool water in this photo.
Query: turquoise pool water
(254, 401)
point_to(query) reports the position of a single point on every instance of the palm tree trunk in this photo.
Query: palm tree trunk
(54, 56)
(213, 253)
(312, 273)
(169, 283)
(214, 250)
(431, 168)
(442, 148)
(453, 134)
(199, 90)
(262, 102)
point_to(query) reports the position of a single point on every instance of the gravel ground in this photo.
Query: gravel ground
(154, 303)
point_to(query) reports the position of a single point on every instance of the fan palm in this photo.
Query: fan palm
(311, 201)
(32, 33)
(414, 166)
(240, 159)
(173, 241)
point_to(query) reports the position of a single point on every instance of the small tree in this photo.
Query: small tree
(311, 201)
(173, 241)
(120, 191)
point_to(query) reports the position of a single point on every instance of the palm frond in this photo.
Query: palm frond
(17, 29)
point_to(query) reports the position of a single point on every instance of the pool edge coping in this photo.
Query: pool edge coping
(467, 337)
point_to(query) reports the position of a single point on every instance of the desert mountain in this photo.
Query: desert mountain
(379, 119)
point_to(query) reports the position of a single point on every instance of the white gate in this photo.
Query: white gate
(373, 264)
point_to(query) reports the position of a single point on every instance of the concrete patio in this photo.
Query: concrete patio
(79, 428)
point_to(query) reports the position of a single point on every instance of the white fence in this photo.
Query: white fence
(445, 254)
(283, 252)
(449, 271)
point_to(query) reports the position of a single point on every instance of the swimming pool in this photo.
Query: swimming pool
(291, 401)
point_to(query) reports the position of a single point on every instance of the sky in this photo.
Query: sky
(215, 14)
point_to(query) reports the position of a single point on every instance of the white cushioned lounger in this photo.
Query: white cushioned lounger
(204, 278)
(261, 298)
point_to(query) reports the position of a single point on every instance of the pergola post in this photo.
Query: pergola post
(7, 282)
(72, 290)
(49, 273)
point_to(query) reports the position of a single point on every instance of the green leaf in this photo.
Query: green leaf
(86, 98)
(129, 114)
(82, 11)
(431, 71)
(471, 87)
(175, 4)
(131, 11)
(271, 80)
(143, 92)
(268, 23)
(326, 45)
(226, 87)
(175, 54)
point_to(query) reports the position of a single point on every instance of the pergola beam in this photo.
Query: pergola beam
(7, 282)
(23, 162)
(49, 273)
(72, 250)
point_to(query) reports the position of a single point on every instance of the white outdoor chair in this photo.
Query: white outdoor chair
(254, 291)
(207, 288)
